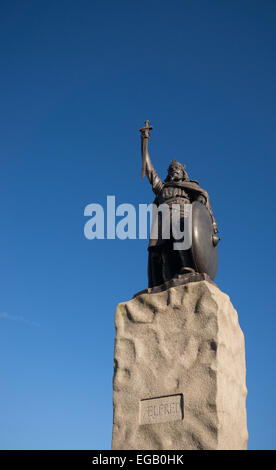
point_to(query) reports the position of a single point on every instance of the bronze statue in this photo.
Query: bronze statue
(165, 262)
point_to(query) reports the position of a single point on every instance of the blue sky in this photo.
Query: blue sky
(78, 79)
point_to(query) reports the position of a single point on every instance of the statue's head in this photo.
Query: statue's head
(176, 172)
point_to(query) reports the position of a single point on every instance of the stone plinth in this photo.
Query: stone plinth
(179, 371)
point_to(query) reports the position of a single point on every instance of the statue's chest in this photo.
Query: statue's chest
(171, 192)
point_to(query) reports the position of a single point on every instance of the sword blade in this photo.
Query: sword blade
(144, 149)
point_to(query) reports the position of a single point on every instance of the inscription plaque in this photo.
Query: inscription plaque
(161, 409)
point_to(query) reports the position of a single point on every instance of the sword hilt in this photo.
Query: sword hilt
(145, 131)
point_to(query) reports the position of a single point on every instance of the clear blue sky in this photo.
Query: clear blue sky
(78, 79)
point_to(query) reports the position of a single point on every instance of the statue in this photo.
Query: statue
(164, 261)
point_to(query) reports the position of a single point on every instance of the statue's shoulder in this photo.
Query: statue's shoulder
(194, 185)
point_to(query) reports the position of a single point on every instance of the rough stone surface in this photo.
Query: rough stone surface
(180, 348)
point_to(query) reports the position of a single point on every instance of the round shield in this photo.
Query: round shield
(204, 252)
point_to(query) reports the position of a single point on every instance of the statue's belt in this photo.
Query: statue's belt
(174, 200)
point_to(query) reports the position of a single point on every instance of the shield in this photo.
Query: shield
(204, 252)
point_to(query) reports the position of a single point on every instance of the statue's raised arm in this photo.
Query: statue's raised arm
(147, 167)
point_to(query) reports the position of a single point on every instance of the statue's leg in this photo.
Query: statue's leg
(155, 275)
(169, 261)
(182, 259)
(185, 261)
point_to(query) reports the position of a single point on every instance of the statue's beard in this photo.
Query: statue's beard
(174, 178)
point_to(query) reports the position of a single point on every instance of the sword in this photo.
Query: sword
(145, 135)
